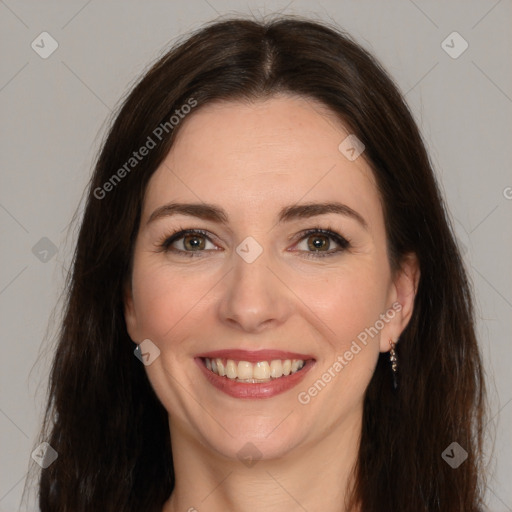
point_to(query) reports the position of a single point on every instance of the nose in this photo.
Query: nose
(253, 296)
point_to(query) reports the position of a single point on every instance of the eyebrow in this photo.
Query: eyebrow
(214, 213)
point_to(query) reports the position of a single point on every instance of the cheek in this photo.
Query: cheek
(352, 314)
(348, 304)
(164, 299)
(347, 300)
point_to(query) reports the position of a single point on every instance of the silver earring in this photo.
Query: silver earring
(394, 362)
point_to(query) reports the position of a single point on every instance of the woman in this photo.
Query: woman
(264, 225)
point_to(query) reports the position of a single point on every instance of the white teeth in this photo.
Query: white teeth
(220, 367)
(262, 371)
(231, 369)
(295, 365)
(244, 370)
(276, 369)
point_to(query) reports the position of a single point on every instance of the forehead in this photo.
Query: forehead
(260, 156)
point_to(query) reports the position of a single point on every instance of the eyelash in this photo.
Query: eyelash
(168, 239)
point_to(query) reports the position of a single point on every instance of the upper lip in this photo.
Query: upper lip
(253, 356)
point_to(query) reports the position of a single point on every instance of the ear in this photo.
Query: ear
(401, 300)
(130, 316)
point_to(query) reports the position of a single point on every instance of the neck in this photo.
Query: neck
(314, 476)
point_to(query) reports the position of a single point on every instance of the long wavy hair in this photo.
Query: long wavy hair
(102, 416)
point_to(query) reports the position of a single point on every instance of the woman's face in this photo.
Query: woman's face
(254, 279)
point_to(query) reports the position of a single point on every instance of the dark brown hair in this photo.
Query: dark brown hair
(103, 417)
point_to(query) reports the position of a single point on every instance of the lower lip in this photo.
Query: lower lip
(257, 390)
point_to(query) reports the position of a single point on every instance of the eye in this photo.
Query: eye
(317, 242)
(187, 242)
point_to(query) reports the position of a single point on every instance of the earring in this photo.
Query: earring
(394, 362)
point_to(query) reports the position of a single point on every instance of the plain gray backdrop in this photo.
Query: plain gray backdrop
(54, 113)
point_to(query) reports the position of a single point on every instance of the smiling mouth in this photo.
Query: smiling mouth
(253, 373)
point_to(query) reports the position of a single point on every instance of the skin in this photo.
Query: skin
(252, 160)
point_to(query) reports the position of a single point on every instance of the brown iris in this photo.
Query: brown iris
(195, 241)
(318, 242)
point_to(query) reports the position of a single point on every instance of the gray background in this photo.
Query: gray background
(54, 112)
